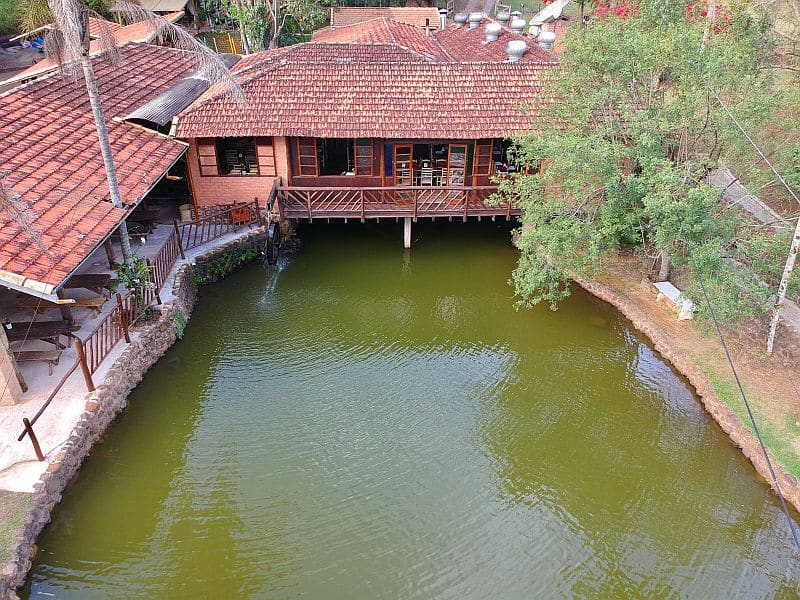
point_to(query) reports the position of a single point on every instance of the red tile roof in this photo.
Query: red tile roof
(453, 44)
(143, 31)
(469, 45)
(390, 99)
(52, 162)
(416, 16)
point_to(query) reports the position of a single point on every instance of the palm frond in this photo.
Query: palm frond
(209, 63)
(32, 14)
(21, 214)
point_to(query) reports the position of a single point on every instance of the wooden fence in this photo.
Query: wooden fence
(215, 222)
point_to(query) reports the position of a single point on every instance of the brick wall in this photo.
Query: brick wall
(212, 190)
(10, 390)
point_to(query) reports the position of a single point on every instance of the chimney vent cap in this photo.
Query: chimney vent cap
(475, 19)
(515, 50)
(546, 39)
(518, 25)
(493, 31)
(459, 19)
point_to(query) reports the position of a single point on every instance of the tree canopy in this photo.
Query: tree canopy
(635, 124)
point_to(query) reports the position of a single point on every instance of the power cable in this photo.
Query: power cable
(776, 486)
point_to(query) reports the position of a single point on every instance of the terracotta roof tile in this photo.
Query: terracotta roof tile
(52, 163)
(332, 98)
(135, 32)
(350, 15)
(469, 45)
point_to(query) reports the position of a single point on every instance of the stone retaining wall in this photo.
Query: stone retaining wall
(106, 402)
(719, 411)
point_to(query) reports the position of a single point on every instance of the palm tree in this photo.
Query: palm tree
(67, 43)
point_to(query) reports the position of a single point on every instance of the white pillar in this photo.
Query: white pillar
(407, 232)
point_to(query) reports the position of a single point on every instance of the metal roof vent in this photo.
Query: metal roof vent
(518, 25)
(503, 18)
(516, 49)
(535, 27)
(492, 31)
(475, 19)
(459, 19)
(443, 18)
(546, 39)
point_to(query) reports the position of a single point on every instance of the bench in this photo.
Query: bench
(49, 356)
(94, 303)
(673, 296)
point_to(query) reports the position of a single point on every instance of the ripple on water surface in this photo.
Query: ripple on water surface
(369, 423)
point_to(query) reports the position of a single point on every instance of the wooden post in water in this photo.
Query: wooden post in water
(87, 374)
(36, 448)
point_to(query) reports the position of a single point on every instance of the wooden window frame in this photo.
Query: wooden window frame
(484, 168)
(207, 168)
(370, 169)
(265, 157)
(300, 144)
(237, 175)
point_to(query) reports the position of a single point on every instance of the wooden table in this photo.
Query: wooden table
(95, 282)
(47, 331)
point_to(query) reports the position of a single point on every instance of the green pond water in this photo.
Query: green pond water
(364, 422)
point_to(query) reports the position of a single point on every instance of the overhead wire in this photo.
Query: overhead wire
(776, 486)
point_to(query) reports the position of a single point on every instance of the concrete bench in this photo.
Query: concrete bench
(51, 357)
(673, 296)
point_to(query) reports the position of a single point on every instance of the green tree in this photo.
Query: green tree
(271, 23)
(623, 152)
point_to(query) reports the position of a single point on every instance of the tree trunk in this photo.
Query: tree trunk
(787, 272)
(663, 271)
(105, 149)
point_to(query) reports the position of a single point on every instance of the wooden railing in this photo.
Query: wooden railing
(376, 202)
(215, 222)
(94, 349)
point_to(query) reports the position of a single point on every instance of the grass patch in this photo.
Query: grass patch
(7, 24)
(12, 511)
(777, 436)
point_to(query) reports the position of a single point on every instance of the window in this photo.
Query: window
(363, 151)
(266, 157)
(207, 154)
(307, 156)
(335, 156)
(483, 158)
(237, 156)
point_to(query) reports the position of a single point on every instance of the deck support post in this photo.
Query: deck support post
(407, 232)
(87, 374)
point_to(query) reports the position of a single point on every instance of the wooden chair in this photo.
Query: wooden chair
(426, 176)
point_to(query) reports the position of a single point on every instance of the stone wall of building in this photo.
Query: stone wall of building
(103, 405)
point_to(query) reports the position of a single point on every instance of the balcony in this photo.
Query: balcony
(379, 202)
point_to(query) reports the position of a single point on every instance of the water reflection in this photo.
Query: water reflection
(361, 423)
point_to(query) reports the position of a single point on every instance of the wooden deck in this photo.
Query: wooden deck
(378, 202)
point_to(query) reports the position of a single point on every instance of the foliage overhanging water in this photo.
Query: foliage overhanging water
(369, 423)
